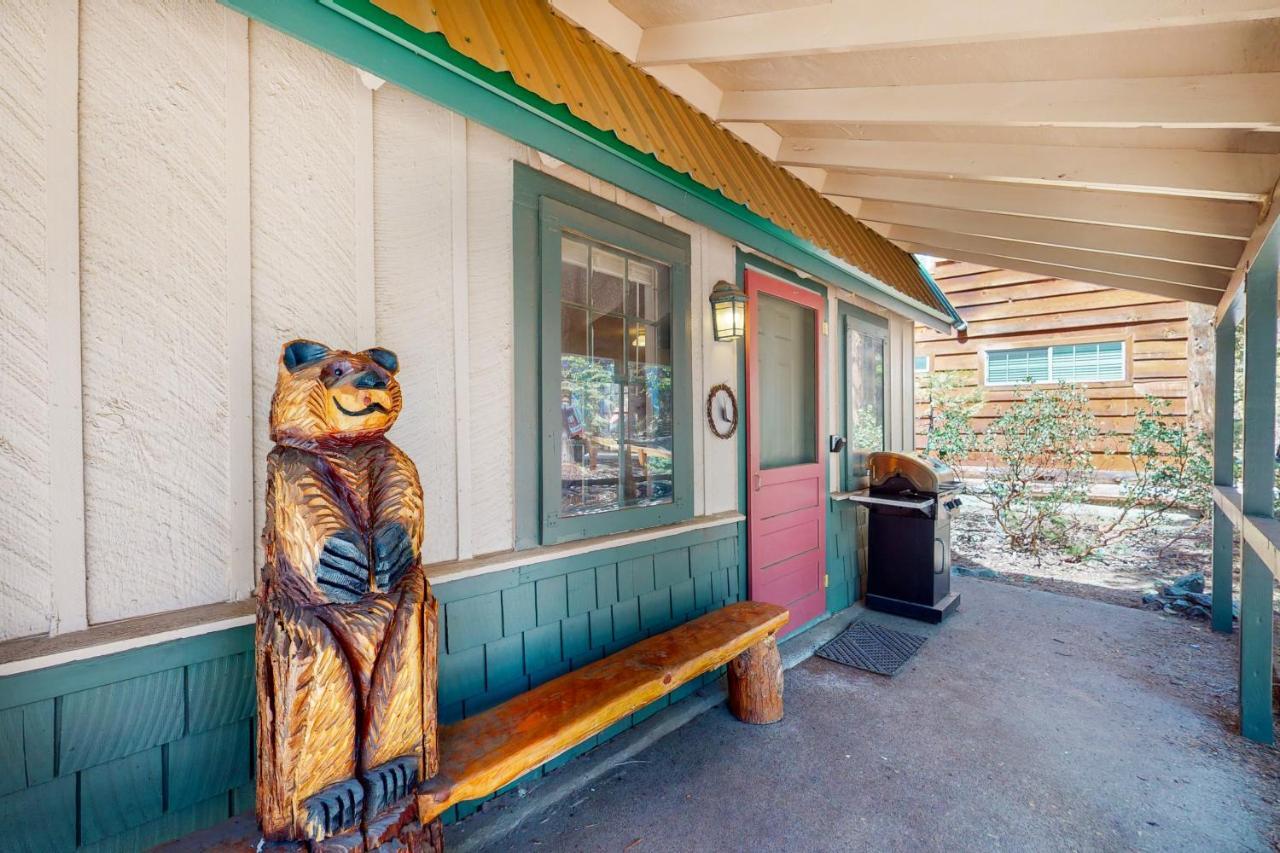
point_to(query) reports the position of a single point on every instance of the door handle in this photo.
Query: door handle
(757, 481)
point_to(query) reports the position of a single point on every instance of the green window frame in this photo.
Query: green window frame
(546, 211)
(1101, 361)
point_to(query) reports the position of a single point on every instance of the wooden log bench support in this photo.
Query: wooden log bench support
(480, 754)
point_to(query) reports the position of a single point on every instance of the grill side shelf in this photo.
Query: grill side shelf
(864, 496)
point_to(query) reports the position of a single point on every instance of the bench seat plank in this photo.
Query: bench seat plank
(480, 754)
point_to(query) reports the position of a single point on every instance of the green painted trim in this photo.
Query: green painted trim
(358, 32)
(869, 324)
(40, 684)
(544, 209)
(1223, 471)
(1256, 582)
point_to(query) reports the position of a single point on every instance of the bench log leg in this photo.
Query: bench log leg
(755, 683)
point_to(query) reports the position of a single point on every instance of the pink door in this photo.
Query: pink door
(786, 486)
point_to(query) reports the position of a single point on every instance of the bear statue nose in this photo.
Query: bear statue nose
(369, 379)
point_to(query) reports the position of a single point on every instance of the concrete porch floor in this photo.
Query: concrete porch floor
(1030, 721)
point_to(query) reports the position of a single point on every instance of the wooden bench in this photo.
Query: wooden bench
(480, 754)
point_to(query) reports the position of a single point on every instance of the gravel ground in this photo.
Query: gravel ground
(1119, 574)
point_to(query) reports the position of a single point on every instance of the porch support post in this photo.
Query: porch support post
(1257, 581)
(1224, 398)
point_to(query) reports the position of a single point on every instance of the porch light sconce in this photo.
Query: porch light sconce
(728, 312)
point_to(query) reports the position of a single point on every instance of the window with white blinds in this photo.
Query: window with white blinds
(1096, 362)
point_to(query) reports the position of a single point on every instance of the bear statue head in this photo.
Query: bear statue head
(328, 396)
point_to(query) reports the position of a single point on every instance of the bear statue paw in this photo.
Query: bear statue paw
(393, 555)
(334, 809)
(388, 783)
(343, 570)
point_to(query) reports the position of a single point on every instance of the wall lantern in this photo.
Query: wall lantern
(728, 312)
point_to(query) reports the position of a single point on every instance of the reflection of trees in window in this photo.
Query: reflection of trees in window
(616, 380)
(865, 413)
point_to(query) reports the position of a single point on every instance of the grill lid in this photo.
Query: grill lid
(924, 473)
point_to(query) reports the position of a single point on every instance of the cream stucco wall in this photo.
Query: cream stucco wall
(238, 189)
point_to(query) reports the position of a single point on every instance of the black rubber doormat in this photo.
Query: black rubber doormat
(872, 647)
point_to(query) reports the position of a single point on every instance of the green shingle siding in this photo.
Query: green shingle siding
(209, 763)
(671, 567)
(42, 817)
(121, 794)
(13, 770)
(473, 621)
(145, 711)
(460, 674)
(518, 610)
(152, 755)
(220, 691)
(553, 599)
(842, 555)
(161, 753)
(38, 740)
(504, 660)
(582, 591)
(171, 825)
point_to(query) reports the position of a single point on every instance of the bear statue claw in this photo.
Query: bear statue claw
(393, 555)
(389, 783)
(334, 809)
(343, 570)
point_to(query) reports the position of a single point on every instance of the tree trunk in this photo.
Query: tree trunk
(755, 683)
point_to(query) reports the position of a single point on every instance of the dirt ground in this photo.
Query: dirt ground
(1027, 722)
(1119, 574)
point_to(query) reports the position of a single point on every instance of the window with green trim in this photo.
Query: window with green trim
(610, 293)
(1092, 362)
(616, 401)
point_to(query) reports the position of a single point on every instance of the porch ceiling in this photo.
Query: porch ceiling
(1130, 144)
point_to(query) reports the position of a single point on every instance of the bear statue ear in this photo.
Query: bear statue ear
(300, 353)
(384, 358)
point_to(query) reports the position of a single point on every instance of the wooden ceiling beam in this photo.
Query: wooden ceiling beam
(1203, 296)
(1207, 174)
(846, 26)
(1242, 101)
(1234, 219)
(1212, 278)
(1191, 249)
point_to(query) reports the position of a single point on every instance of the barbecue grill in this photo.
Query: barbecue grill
(910, 502)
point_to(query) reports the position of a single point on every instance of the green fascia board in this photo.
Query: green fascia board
(360, 33)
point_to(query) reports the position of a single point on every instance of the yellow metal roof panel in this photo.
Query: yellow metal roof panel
(564, 64)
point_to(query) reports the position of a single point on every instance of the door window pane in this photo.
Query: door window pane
(788, 399)
(864, 396)
(616, 373)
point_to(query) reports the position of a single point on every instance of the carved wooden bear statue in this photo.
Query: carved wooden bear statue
(346, 621)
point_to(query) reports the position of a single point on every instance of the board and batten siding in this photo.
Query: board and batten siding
(189, 193)
(1006, 309)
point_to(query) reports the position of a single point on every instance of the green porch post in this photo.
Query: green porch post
(1224, 398)
(1258, 489)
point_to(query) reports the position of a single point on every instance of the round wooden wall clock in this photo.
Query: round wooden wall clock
(722, 411)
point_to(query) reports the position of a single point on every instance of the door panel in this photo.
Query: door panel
(787, 480)
(786, 334)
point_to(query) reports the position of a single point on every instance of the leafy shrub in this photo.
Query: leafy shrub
(953, 403)
(1039, 462)
(1038, 455)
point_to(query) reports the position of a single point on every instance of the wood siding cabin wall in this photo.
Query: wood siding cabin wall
(1006, 309)
(189, 189)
